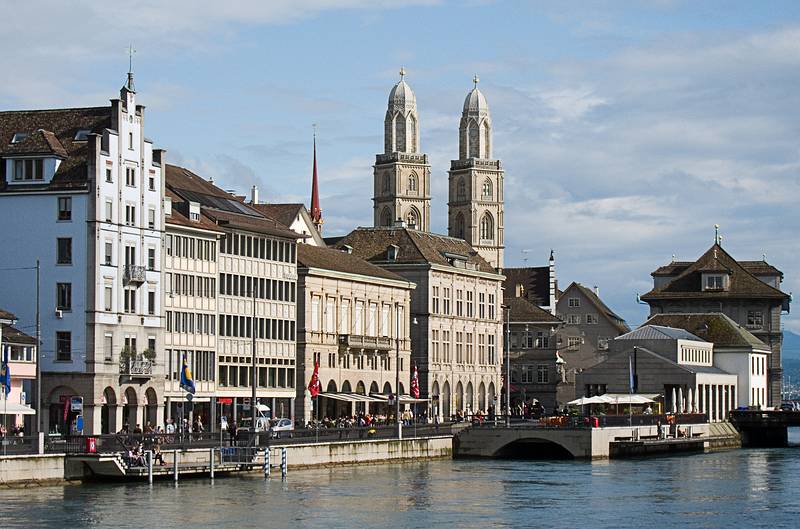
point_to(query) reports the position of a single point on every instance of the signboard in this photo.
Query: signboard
(76, 404)
(225, 400)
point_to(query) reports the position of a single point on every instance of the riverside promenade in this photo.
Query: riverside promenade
(48, 459)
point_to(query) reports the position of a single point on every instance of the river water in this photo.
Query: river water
(737, 488)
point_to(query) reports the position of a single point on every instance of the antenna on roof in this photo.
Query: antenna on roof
(764, 257)
(673, 258)
(525, 256)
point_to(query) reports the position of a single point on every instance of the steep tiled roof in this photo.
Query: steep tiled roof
(754, 267)
(535, 283)
(688, 284)
(711, 327)
(52, 132)
(524, 311)
(283, 213)
(415, 247)
(15, 336)
(221, 207)
(329, 259)
(39, 142)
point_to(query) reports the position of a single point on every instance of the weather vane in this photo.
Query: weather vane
(402, 73)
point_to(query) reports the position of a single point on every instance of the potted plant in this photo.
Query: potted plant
(149, 354)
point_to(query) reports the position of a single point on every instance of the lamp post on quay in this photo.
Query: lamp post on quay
(508, 365)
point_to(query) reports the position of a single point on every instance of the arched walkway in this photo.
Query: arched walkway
(482, 397)
(436, 405)
(108, 412)
(60, 416)
(469, 403)
(492, 396)
(373, 388)
(387, 389)
(459, 398)
(151, 409)
(129, 412)
(446, 411)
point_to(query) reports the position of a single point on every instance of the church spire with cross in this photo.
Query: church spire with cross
(129, 84)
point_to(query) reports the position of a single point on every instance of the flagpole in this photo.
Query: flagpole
(317, 406)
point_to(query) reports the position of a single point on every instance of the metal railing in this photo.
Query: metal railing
(134, 273)
(357, 341)
(138, 367)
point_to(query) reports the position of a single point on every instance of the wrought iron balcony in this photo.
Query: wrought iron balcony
(134, 274)
(357, 341)
(136, 368)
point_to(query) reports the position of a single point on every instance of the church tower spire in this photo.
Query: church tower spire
(402, 173)
(475, 206)
(316, 211)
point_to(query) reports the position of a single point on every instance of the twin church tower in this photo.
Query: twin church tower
(402, 175)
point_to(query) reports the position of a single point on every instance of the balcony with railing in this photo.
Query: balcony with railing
(137, 368)
(357, 341)
(134, 274)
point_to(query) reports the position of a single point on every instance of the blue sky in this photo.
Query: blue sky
(627, 129)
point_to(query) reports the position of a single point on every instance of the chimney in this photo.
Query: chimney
(254, 195)
(399, 223)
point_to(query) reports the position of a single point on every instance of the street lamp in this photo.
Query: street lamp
(397, 373)
(508, 365)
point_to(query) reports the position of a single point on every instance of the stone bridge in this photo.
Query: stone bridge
(532, 441)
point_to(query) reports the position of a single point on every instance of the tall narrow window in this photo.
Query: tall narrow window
(64, 296)
(63, 346)
(64, 251)
(64, 208)
(487, 227)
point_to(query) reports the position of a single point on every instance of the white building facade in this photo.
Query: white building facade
(82, 193)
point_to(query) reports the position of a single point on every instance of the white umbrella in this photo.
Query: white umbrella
(674, 398)
(681, 407)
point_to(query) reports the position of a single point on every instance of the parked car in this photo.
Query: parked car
(281, 425)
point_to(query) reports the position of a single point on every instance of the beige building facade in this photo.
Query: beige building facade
(456, 332)
(353, 320)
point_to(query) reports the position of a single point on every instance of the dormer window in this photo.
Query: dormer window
(26, 170)
(194, 211)
(18, 137)
(82, 135)
(392, 252)
(714, 282)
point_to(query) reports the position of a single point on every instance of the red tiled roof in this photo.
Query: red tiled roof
(309, 256)
(52, 132)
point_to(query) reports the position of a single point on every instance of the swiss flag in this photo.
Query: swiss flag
(315, 386)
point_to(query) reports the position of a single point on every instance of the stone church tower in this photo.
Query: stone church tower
(402, 175)
(476, 183)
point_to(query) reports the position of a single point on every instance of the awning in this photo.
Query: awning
(11, 408)
(614, 398)
(404, 399)
(349, 397)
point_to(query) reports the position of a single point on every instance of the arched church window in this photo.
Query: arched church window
(487, 138)
(412, 219)
(386, 217)
(461, 189)
(412, 183)
(487, 227)
(487, 189)
(459, 231)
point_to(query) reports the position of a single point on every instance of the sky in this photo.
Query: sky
(627, 129)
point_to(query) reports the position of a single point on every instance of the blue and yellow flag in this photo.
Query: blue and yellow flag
(187, 382)
(5, 374)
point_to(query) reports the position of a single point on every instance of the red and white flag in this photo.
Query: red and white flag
(315, 386)
(415, 383)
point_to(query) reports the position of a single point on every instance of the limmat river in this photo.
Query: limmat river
(737, 488)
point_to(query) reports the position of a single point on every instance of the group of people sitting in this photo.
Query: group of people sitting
(136, 455)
